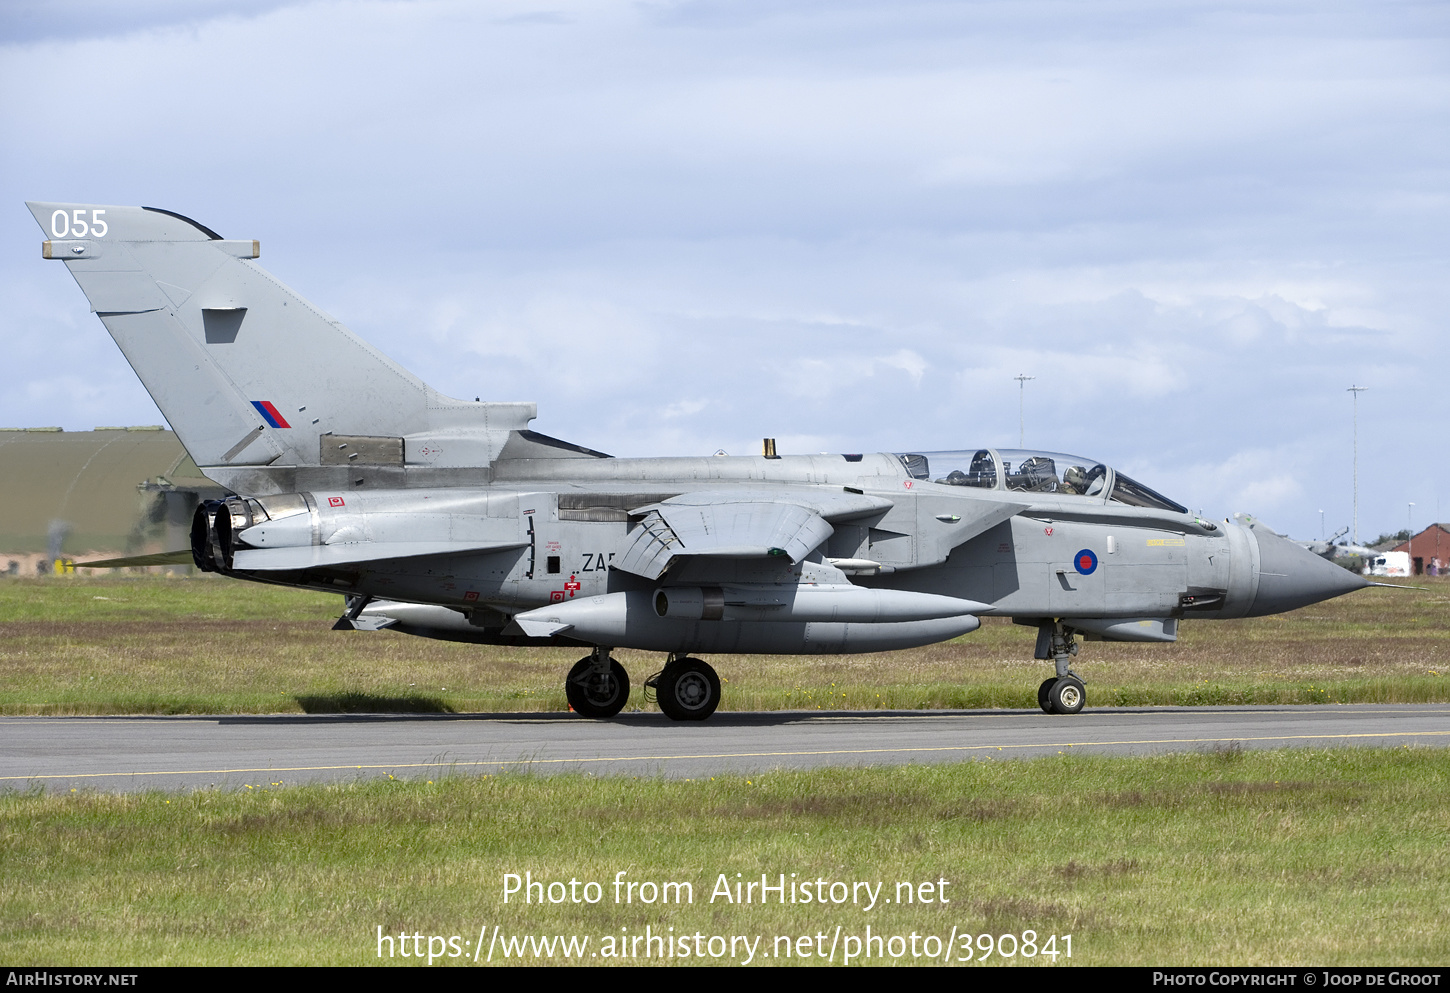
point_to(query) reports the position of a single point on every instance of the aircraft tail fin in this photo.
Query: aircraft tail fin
(247, 372)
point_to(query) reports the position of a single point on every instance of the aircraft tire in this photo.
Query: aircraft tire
(688, 690)
(1067, 695)
(1044, 697)
(595, 694)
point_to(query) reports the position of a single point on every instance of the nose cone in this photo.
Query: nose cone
(1291, 577)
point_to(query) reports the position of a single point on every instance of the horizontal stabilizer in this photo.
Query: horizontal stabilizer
(352, 553)
(371, 623)
(182, 557)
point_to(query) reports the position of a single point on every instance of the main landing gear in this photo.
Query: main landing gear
(687, 688)
(1064, 693)
(597, 686)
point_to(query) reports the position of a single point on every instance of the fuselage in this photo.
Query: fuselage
(549, 530)
(354, 476)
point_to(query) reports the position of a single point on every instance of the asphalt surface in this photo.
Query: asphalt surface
(177, 753)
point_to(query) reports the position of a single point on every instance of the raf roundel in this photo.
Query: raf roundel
(1085, 561)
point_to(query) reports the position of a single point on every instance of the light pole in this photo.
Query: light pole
(1321, 523)
(1022, 380)
(1410, 532)
(1356, 391)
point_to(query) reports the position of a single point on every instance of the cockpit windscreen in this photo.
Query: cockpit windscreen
(1135, 494)
(1033, 472)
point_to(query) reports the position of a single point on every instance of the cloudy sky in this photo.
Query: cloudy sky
(685, 226)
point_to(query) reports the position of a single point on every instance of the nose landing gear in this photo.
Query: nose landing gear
(1064, 693)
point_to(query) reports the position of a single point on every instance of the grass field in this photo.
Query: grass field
(1338, 857)
(1296, 857)
(154, 645)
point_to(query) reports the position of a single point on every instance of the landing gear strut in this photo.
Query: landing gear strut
(687, 689)
(597, 686)
(1063, 693)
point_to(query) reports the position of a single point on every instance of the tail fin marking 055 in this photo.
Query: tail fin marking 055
(208, 330)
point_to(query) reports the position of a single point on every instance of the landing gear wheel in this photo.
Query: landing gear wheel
(688, 690)
(1044, 698)
(1067, 695)
(596, 694)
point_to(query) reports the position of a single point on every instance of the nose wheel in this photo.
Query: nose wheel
(1043, 699)
(1063, 693)
(1066, 695)
(597, 686)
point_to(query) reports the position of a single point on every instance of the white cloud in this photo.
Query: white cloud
(688, 226)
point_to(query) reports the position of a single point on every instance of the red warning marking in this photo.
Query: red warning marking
(1047, 531)
(334, 501)
(555, 596)
(572, 587)
(908, 484)
(471, 595)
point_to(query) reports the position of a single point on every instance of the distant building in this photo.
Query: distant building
(94, 494)
(1429, 551)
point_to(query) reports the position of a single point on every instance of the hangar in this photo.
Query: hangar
(1429, 550)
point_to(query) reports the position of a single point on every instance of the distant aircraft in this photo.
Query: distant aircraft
(452, 519)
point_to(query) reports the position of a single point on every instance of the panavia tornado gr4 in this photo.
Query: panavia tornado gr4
(450, 519)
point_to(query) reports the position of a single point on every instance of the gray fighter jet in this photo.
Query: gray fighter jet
(452, 519)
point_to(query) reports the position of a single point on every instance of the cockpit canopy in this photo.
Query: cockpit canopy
(1034, 472)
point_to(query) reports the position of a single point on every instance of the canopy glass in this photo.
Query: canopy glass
(1034, 472)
